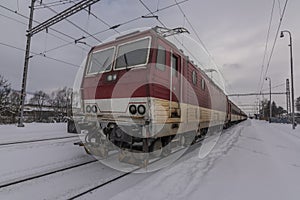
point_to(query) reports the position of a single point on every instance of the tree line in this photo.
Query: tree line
(277, 111)
(59, 102)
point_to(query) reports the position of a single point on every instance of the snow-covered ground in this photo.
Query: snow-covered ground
(252, 160)
(32, 131)
(27, 159)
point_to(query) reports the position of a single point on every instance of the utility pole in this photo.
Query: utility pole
(292, 75)
(258, 106)
(288, 101)
(270, 98)
(34, 30)
(25, 70)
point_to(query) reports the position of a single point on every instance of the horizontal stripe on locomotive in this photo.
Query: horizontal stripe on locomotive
(117, 105)
(159, 110)
(217, 101)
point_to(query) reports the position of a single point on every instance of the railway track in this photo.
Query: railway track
(22, 180)
(37, 140)
(193, 147)
(88, 190)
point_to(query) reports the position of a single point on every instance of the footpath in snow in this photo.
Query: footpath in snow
(252, 160)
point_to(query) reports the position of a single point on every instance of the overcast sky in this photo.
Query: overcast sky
(233, 31)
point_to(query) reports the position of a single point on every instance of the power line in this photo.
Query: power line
(61, 33)
(138, 18)
(177, 3)
(276, 37)
(99, 19)
(266, 45)
(54, 3)
(279, 7)
(40, 54)
(201, 41)
(55, 48)
(256, 94)
(152, 13)
(13, 19)
(75, 25)
(74, 39)
(193, 29)
(276, 86)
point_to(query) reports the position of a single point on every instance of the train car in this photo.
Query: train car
(236, 114)
(140, 92)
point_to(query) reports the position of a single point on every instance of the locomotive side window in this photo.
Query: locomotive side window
(202, 84)
(174, 66)
(194, 77)
(101, 61)
(161, 58)
(133, 54)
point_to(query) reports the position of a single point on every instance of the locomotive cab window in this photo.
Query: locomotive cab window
(133, 54)
(202, 84)
(194, 78)
(101, 61)
(174, 62)
(161, 58)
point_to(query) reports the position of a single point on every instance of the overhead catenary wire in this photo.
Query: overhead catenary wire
(200, 40)
(57, 31)
(138, 18)
(74, 39)
(276, 37)
(46, 51)
(279, 7)
(54, 4)
(99, 19)
(13, 19)
(193, 29)
(266, 45)
(273, 87)
(40, 54)
(75, 25)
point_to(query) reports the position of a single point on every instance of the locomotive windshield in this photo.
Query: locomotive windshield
(101, 61)
(133, 54)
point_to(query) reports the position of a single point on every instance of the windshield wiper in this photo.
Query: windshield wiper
(126, 62)
(105, 63)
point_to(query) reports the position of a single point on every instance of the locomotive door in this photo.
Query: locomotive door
(175, 86)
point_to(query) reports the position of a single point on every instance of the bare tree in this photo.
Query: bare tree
(61, 101)
(4, 98)
(14, 100)
(40, 99)
(298, 104)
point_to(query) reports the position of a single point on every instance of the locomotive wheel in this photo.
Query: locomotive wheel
(157, 148)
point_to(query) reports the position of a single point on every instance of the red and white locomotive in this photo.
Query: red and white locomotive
(140, 92)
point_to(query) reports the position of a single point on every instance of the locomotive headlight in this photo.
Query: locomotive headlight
(132, 109)
(94, 109)
(88, 108)
(109, 78)
(141, 109)
(114, 77)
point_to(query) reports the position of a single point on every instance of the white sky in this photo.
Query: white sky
(234, 32)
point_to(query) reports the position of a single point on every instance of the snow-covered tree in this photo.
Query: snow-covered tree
(40, 99)
(4, 94)
(61, 100)
(298, 104)
(14, 102)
